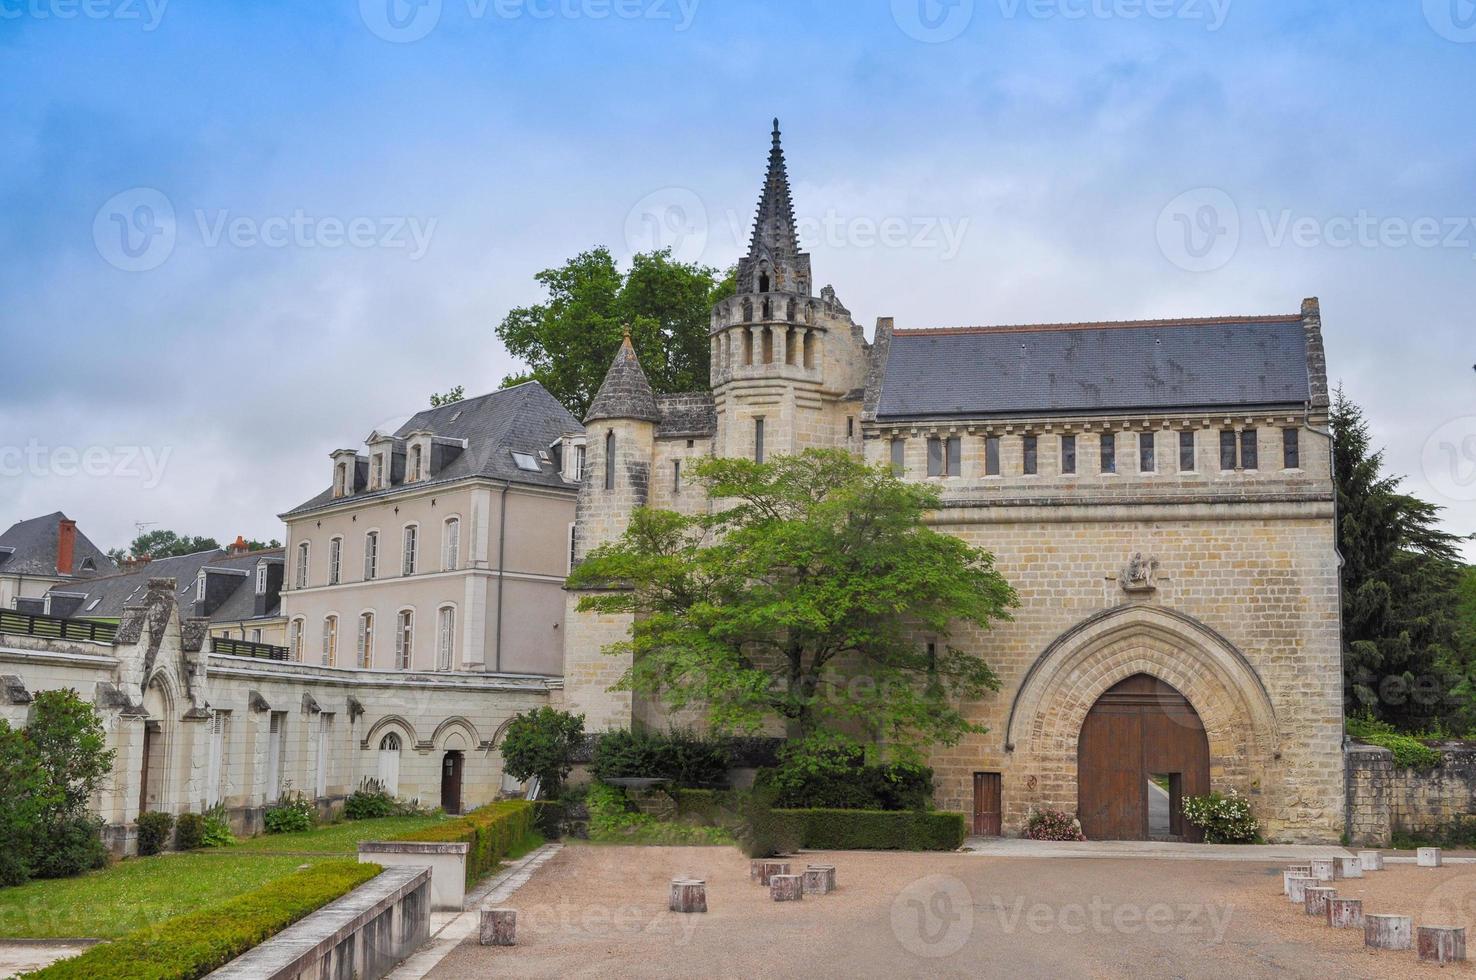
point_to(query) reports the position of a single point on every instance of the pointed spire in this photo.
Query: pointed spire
(625, 393)
(773, 228)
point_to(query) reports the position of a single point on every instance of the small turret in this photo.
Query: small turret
(620, 429)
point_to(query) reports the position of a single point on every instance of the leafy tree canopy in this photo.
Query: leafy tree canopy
(164, 543)
(541, 743)
(569, 339)
(818, 596)
(450, 397)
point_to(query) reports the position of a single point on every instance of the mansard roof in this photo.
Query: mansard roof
(29, 547)
(1133, 366)
(625, 393)
(107, 596)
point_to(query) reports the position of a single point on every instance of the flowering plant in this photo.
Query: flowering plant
(1053, 825)
(1224, 818)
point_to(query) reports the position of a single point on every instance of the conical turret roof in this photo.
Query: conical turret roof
(625, 393)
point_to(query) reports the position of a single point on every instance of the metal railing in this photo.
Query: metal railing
(245, 648)
(51, 627)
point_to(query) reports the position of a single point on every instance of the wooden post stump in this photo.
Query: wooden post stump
(688, 895)
(1314, 900)
(1349, 867)
(1323, 869)
(1371, 860)
(1428, 857)
(768, 868)
(1442, 944)
(1297, 889)
(499, 927)
(786, 887)
(1388, 931)
(819, 879)
(1345, 913)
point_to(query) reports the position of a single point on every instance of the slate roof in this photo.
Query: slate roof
(114, 592)
(34, 544)
(625, 392)
(687, 415)
(1151, 365)
(524, 417)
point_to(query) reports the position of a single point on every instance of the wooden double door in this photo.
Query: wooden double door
(1142, 750)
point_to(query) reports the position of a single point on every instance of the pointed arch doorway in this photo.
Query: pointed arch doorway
(1142, 749)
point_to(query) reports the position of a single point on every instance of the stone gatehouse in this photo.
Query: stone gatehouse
(1158, 492)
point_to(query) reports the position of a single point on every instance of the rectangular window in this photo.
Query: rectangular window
(1227, 449)
(325, 739)
(935, 457)
(1109, 452)
(758, 440)
(1291, 449)
(676, 476)
(451, 545)
(899, 450)
(445, 638)
(571, 547)
(302, 565)
(1249, 452)
(991, 455)
(408, 562)
(1031, 450)
(215, 779)
(261, 578)
(405, 639)
(330, 641)
(1068, 454)
(366, 641)
(955, 456)
(371, 556)
(578, 462)
(200, 587)
(609, 461)
(376, 480)
(850, 427)
(1186, 452)
(276, 754)
(335, 560)
(1147, 459)
(294, 640)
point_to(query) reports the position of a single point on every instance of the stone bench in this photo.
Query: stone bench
(447, 864)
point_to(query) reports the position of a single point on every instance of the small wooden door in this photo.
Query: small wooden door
(451, 782)
(988, 811)
(149, 737)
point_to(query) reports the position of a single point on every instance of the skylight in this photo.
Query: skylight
(525, 461)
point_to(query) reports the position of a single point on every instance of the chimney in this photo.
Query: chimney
(134, 562)
(238, 547)
(66, 545)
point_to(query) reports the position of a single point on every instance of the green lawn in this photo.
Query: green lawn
(140, 891)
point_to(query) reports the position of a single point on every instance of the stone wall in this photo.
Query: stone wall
(1384, 799)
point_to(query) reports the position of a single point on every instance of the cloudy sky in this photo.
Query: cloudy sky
(239, 235)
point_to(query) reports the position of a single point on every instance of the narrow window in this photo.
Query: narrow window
(377, 478)
(676, 476)
(407, 564)
(578, 463)
(261, 578)
(609, 460)
(991, 455)
(1109, 452)
(330, 641)
(1147, 460)
(1031, 450)
(335, 560)
(294, 641)
(1291, 449)
(572, 541)
(445, 637)
(850, 427)
(256, 636)
(366, 640)
(1186, 452)
(371, 556)
(1068, 455)
(935, 456)
(1227, 449)
(451, 545)
(200, 586)
(955, 456)
(898, 449)
(405, 639)
(302, 565)
(414, 463)
(758, 440)
(809, 349)
(747, 347)
(1249, 451)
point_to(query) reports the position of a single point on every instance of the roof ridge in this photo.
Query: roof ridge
(1102, 325)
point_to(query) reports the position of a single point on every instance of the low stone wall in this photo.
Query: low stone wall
(363, 935)
(446, 861)
(1384, 799)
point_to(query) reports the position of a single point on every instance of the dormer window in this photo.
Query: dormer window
(526, 461)
(261, 578)
(415, 456)
(376, 471)
(340, 480)
(200, 586)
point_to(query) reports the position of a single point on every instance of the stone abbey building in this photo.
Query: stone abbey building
(1158, 492)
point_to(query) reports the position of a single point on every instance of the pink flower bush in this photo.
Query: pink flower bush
(1053, 825)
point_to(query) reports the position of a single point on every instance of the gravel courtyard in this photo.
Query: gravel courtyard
(601, 911)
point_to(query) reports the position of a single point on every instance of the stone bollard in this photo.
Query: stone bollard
(1297, 889)
(1388, 931)
(1428, 857)
(1323, 869)
(786, 887)
(1349, 868)
(1293, 871)
(767, 869)
(1315, 901)
(1345, 913)
(819, 879)
(1371, 860)
(1442, 944)
(499, 927)
(688, 895)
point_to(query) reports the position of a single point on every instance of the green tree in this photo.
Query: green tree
(569, 340)
(69, 741)
(818, 596)
(1400, 578)
(541, 743)
(164, 543)
(23, 798)
(451, 397)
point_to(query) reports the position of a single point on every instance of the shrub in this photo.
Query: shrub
(71, 847)
(682, 756)
(217, 828)
(887, 830)
(764, 831)
(612, 819)
(193, 944)
(541, 743)
(189, 832)
(1409, 751)
(836, 777)
(369, 801)
(1051, 824)
(493, 831)
(153, 831)
(291, 813)
(548, 817)
(1225, 819)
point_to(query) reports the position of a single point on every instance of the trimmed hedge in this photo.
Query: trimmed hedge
(493, 831)
(191, 945)
(878, 830)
